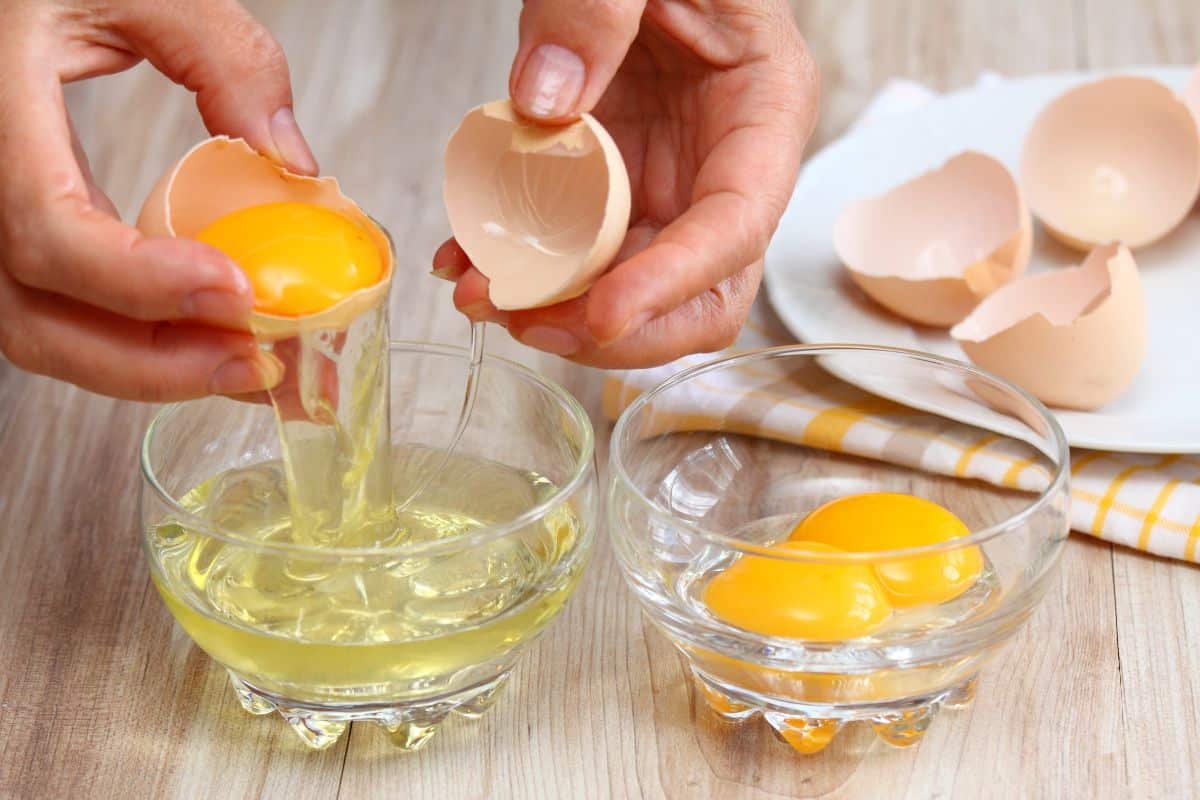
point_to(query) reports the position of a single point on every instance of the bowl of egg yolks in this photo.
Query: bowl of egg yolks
(825, 554)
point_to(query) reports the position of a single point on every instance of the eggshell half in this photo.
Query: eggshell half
(540, 211)
(222, 175)
(929, 249)
(1191, 95)
(1115, 160)
(1075, 338)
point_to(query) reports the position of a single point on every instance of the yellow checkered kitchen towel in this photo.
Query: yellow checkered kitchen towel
(1150, 502)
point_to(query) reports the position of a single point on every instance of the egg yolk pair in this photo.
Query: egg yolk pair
(838, 601)
(300, 258)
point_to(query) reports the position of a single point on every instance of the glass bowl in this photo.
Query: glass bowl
(402, 634)
(721, 461)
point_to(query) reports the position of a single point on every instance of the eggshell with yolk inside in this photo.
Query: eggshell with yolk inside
(221, 175)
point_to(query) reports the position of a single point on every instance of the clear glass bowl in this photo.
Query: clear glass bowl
(401, 635)
(695, 487)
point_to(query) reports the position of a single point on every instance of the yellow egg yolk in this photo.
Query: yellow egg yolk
(300, 258)
(799, 599)
(885, 521)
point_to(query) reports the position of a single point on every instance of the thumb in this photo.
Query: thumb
(234, 65)
(569, 52)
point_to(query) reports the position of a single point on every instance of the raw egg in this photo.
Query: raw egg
(1117, 160)
(887, 521)
(931, 248)
(1074, 338)
(315, 259)
(813, 600)
(540, 211)
(301, 258)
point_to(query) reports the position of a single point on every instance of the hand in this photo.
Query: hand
(84, 297)
(711, 104)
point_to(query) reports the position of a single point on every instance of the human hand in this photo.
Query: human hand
(711, 105)
(84, 297)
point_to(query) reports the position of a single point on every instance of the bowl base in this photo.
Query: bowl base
(409, 725)
(900, 723)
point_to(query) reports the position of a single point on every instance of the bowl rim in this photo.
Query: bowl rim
(584, 467)
(1059, 484)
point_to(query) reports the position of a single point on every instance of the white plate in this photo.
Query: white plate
(809, 290)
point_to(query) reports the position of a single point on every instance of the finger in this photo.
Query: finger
(234, 65)
(450, 261)
(707, 323)
(124, 358)
(53, 237)
(569, 52)
(739, 194)
(471, 298)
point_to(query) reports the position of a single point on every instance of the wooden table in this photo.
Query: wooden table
(102, 696)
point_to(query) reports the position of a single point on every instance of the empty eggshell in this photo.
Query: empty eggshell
(1115, 160)
(222, 175)
(1191, 95)
(1074, 337)
(932, 247)
(540, 211)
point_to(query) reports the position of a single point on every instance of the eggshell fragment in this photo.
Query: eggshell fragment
(540, 211)
(929, 249)
(1115, 160)
(1191, 95)
(222, 175)
(1074, 338)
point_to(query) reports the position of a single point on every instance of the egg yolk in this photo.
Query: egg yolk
(798, 599)
(886, 521)
(300, 258)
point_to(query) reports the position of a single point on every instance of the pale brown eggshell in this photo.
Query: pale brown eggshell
(222, 175)
(541, 211)
(1117, 160)
(1191, 95)
(931, 248)
(1074, 338)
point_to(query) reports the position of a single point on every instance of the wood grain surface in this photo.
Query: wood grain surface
(102, 696)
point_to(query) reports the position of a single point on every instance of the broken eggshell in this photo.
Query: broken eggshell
(931, 248)
(1114, 160)
(222, 175)
(541, 211)
(1191, 95)
(1074, 338)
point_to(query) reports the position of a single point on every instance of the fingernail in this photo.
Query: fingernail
(217, 307)
(290, 143)
(635, 323)
(445, 273)
(243, 375)
(550, 340)
(550, 83)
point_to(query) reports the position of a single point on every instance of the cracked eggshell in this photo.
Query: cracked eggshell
(541, 211)
(931, 248)
(222, 175)
(1074, 338)
(1117, 160)
(1191, 95)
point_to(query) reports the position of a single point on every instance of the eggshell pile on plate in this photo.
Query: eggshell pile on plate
(222, 175)
(541, 211)
(1074, 337)
(1117, 160)
(1107, 167)
(931, 248)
